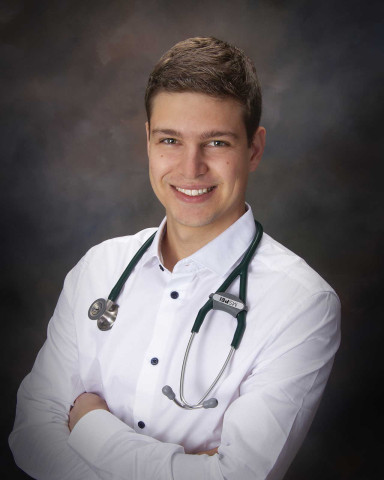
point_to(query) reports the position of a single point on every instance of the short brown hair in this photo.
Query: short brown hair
(211, 66)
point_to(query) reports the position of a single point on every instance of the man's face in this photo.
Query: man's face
(199, 159)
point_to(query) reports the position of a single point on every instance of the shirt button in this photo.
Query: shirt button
(154, 361)
(161, 268)
(174, 295)
(141, 424)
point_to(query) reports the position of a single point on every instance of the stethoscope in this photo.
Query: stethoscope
(105, 312)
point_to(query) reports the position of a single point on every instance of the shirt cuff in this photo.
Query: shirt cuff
(92, 431)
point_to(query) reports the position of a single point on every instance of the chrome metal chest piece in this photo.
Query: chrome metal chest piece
(105, 312)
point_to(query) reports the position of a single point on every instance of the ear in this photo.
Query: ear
(257, 148)
(147, 130)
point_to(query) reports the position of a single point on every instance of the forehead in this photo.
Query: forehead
(196, 111)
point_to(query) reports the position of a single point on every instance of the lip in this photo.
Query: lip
(195, 199)
(193, 187)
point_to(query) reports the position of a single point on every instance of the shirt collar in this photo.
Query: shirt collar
(221, 253)
(153, 254)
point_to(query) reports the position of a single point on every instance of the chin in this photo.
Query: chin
(194, 221)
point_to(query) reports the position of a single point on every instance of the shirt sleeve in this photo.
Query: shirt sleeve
(262, 429)
(39, 437)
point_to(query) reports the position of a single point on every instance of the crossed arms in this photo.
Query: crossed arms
(261, 432)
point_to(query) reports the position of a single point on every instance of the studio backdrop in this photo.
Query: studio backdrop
(74, 172)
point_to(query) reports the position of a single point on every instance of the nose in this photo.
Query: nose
(192, 163)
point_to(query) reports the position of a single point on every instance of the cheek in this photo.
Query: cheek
(157, 169)
(153, 175)
(237, 178)
(161, 163)
(233, 171)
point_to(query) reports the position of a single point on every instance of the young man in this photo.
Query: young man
(203, 103)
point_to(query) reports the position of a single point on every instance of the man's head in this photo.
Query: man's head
(212, 67)
(203, 139)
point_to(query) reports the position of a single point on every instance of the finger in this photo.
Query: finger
(211, 452)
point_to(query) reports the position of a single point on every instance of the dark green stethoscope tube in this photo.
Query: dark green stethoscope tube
(105, 313)
(115, 292)
(240, 271)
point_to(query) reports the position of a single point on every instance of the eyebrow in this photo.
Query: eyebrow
(218, 133)
(166, 131)
(203, 136)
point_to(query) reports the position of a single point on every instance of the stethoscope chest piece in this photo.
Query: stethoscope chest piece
(105, 312)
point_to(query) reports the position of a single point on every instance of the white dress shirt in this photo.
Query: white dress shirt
(267, 396)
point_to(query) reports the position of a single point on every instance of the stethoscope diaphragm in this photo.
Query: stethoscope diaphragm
(97, 309)
(105, 312)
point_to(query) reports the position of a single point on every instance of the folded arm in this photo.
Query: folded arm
(262, 429)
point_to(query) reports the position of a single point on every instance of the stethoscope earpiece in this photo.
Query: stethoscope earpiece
(169, 393)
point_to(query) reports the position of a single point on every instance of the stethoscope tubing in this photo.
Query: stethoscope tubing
(199, 404)
(240, 271)
(115, 292)
(105, 312)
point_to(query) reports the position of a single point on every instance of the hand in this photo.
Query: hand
(208, 452)
(84, 403)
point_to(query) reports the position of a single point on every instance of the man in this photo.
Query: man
(92, 407)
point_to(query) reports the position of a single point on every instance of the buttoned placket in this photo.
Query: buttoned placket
(167, 321)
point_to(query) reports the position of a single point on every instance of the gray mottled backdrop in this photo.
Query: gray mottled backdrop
(74, 171)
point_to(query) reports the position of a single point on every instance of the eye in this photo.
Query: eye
(168, 141)
(218, 143)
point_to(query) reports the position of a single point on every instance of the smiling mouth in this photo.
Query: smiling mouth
(194, 193)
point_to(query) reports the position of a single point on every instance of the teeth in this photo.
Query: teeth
(194, 193)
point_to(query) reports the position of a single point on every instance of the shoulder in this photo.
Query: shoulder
(286, 278)
(119, 248)
(288, 297)
(107, 259)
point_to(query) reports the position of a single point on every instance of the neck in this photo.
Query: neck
(176, 246)
(182, 241)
